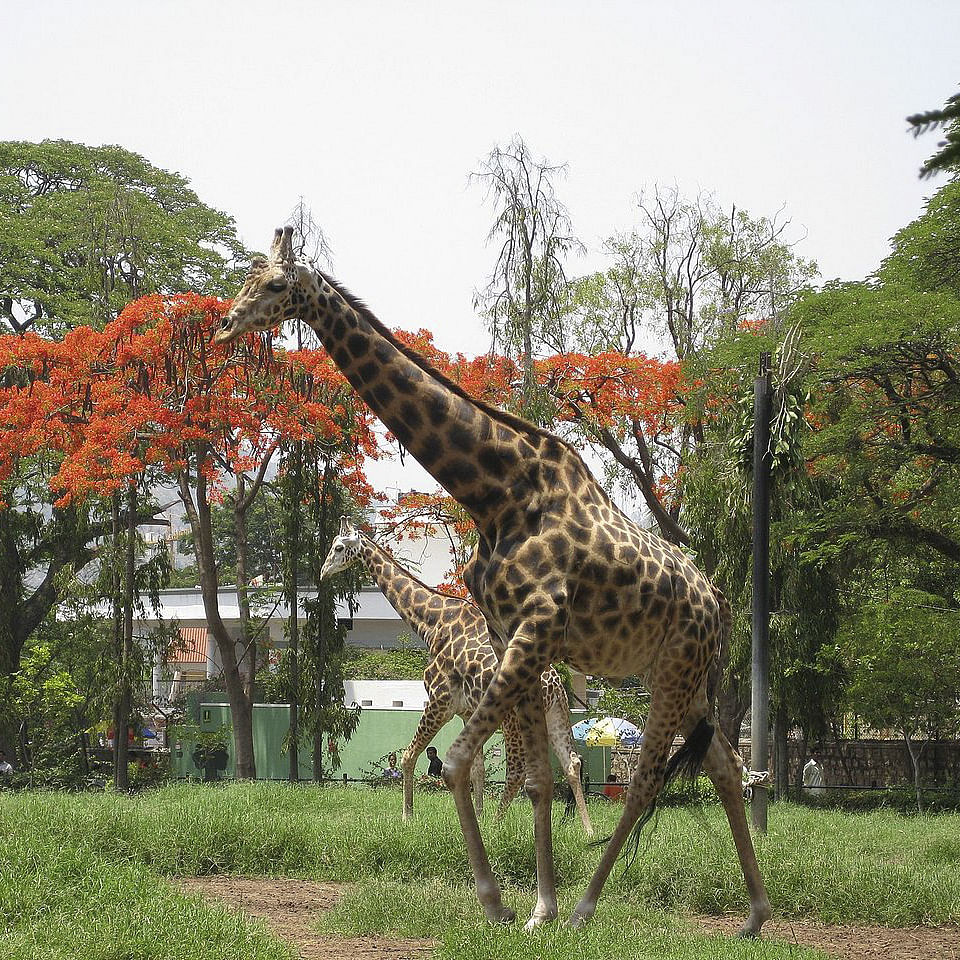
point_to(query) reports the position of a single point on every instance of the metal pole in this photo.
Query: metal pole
(760, 693)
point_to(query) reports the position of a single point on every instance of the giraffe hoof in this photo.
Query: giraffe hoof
(504, 916)
(581, 915)
(755, 921)
(538, 921)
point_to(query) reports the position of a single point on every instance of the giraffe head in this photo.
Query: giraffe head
(344, 550)
(276, 289)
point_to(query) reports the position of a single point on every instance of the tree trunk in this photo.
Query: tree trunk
(318, 749)
(121, 731)
(248, 657)
(781, 765)
(241, 708)
(804, 742)
(732, 706)
(83, 753)
(293, 625)
(915, 760)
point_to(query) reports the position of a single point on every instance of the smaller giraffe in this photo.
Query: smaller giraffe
(462, 664)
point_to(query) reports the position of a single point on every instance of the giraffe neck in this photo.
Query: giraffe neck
(476, 453)
(404, 592)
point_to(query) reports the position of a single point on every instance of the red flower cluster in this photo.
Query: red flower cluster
(152, 390)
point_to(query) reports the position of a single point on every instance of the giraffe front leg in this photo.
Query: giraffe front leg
(539, 786)
(512, 680)
(435, 714)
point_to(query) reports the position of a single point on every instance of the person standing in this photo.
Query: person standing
(6, 770)
(813, 778)
(436, 764)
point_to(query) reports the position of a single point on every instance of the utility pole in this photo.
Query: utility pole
(760, 693)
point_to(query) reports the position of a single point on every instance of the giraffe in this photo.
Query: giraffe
(462, 663)
(560, 573)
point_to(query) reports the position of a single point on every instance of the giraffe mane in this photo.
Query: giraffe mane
(416, 579)
(502, 416)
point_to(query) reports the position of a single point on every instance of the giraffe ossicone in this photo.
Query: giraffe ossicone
(560, 575)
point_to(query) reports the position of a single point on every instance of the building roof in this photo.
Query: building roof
(186, 603)
(191, 647)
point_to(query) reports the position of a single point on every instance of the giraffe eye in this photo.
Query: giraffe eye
(277, 286)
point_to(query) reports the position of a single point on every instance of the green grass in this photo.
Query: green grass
(450, 914)
(81, 873)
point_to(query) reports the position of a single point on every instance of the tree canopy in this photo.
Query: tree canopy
(84, 230)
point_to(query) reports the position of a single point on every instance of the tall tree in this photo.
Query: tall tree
(687, 274)
(83, 230)
(524, 297)
(145, 399)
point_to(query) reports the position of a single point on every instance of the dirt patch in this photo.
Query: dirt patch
(854, 942)
(290, 908)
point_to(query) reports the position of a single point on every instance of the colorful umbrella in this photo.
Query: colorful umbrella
(607, 732)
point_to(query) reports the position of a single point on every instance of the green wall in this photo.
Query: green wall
(380, 732)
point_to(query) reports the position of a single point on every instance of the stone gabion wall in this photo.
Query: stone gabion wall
(874, 763)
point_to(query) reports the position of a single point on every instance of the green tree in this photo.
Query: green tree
(947, 117)
(926, 252)
(903, 652)
(887, 408)
(525, 294)
(84, 230)
(689, 274)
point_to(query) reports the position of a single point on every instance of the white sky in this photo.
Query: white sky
(375, 112)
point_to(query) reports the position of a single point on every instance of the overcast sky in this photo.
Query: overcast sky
(376, 113)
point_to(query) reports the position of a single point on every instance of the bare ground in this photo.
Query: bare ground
(290, 907)
(850, 942)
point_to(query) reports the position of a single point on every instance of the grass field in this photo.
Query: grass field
(82, 875)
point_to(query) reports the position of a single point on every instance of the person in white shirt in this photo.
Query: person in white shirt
(5, 769)
(813, 778)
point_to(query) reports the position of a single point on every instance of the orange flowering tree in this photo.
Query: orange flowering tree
(605, 401)
(150, 400)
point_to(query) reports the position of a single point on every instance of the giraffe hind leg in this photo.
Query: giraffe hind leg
(722, 766)
(668, 708)
(685, 764)
(539, 786)
(515, 758)
(478, 780)
(558, 731)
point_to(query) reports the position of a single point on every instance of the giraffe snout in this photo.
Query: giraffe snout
(228, 331)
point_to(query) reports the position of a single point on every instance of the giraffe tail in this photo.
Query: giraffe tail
(684, 764)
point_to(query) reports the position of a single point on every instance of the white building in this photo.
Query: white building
(372, 624)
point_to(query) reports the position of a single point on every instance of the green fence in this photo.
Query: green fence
(379, 733)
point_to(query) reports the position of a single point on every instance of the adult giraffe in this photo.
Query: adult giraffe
(560, 573)
(461, 666)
